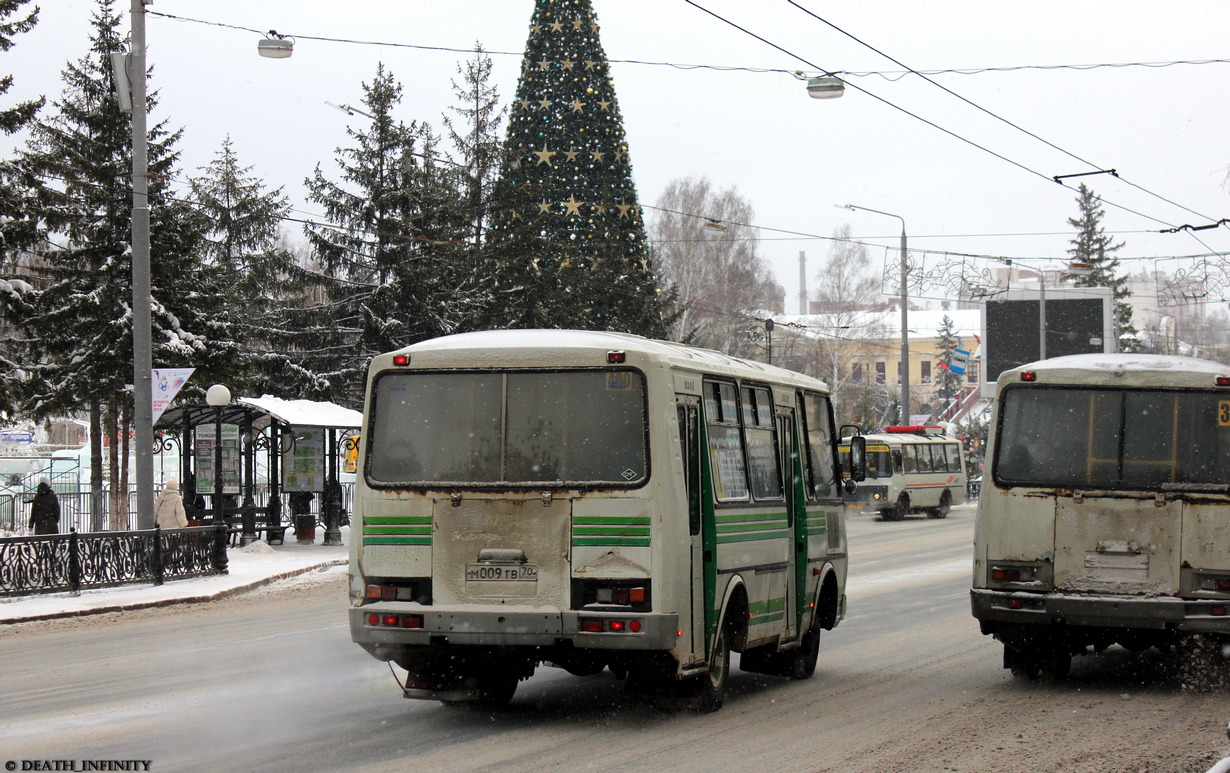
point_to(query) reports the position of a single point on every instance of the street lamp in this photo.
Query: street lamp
(219, 397)
(825, 87)
(905, 334)
(131, 90)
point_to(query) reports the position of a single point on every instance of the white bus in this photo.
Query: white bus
(910, 469)
(1105, 511)
(593, 500)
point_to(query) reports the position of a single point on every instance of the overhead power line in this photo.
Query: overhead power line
(930, 123)
(1098, 169)
(890, 75)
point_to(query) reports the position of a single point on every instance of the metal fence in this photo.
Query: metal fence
(72, 562)
(78, 508)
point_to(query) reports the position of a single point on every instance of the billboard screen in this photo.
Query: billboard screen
(1074, 326)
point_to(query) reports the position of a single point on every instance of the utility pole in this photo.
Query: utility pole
(142, 354)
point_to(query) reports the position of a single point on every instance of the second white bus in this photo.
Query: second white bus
(1105, 515)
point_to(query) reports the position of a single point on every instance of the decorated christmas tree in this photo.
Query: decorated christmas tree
(567, 244)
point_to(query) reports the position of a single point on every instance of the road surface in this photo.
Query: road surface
(271, 682)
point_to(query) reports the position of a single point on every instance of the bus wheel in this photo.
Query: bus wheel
(903, 507)
(803, 661)
(713, 684)
(945, 506)
(1057, 665)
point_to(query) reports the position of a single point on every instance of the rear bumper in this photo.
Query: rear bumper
(509, 627)
(1118, 612)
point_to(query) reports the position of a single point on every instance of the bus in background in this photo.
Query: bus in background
(1105, 510)
(593, 500)
(908, 470)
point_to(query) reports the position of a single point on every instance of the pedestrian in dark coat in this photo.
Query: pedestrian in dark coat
(45, 510)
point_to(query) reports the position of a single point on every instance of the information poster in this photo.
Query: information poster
(204, 453)
(303, 463)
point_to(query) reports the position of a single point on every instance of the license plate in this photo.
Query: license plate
(501, 573)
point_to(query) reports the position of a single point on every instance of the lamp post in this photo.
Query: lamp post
(133, 96)
(905, 334)
(219, 397)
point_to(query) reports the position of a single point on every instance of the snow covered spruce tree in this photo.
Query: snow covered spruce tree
(81, 320)
(474, 132)
(393, 260)
(568, 246)
(1093, 246)
(243, 242)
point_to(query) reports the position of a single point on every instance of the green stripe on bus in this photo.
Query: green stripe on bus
(635, 542)
(767, 618)
(375, 540)
(775, 516)
(723, 538)
(625, 531)
(768, 605)
(623, 520)
(381, 520)
(728, 528)
(397, 530)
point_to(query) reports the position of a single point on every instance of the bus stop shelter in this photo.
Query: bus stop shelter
(300, 442)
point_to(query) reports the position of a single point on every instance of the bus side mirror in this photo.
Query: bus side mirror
(858, 458)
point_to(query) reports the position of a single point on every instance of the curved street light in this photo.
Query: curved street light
(905, 333)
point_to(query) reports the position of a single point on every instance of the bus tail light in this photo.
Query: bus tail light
(1029, 375)
(608, 595)
(604, 625)
(1223, 381)
(1219, 584)
(395, 621)
(1019, 575)
(621, 596)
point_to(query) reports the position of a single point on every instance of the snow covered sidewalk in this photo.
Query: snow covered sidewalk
(248, 567)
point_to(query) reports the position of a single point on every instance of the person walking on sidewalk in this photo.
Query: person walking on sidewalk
(45, 509)
(169, 507)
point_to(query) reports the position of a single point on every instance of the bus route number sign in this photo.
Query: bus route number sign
(501, 573)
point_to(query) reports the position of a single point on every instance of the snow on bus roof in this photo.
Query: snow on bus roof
(585, 339)
(1127, 362)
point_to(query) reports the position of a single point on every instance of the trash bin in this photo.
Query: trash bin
(305, 522)
(305, 529)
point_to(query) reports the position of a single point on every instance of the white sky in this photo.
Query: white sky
(793, 157)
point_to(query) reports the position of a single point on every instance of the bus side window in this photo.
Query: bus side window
(726, 457)
(761, 438)
(818, 436)
(911, 461)
(897, 464)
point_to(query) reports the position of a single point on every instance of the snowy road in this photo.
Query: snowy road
(270, 682)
